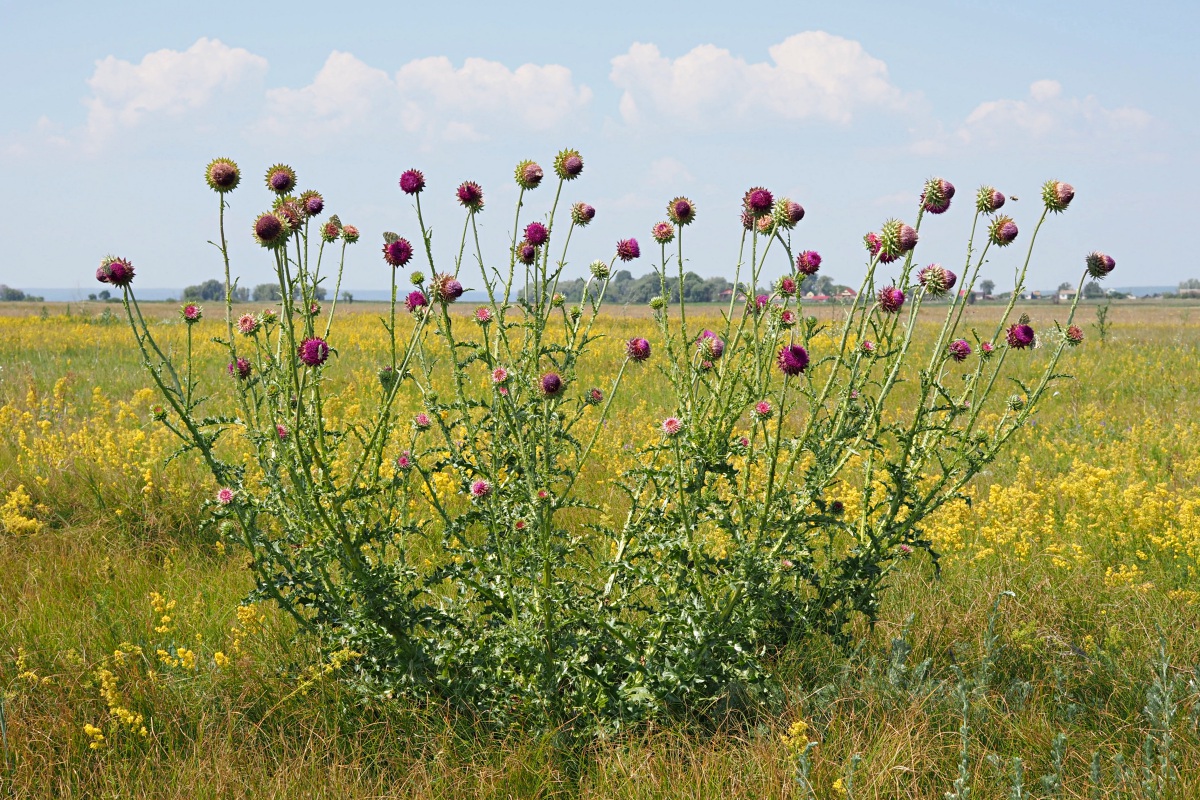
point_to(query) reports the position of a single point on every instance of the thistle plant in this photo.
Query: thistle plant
(444, 536)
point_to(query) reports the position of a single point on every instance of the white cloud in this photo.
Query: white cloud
(429, 97)
(167, 82)
(1046, 117)
(811, 76)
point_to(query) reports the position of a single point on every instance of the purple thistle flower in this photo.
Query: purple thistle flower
(637, 349)
(792, 359)
(422, 421)
(191, 313)
(470, 195)
(986, 349)
(281, 179)
(412, 181)
(663, 232)
(890, 299)
(536, 234)
(867, 346)
(1057, 195)
(270, 230)
(397, 252)
(1074, 336)
(959, 349)
(1099, 265)
(311, 203)
(936, 279)
(762, 410)
(1003, 231)
(568, 164)
(681, 211)
(551, 384)
(747, 220)
(906, 237)
(628, 249)
(225, 495)
(115, 271)
(787, 319)
(526, 253)
(313, 352)
(758, 201)
(672, 426)
(787, 213)
(281, 431)
(989, 200)
(415, 300)
(760, 302)
(480, 489)
(1020, 336)
(582, 214)
(483, 315)
(222, 175)
(404, 461)
(330, 232)
(529, 175)
(710, 345)
(594, 397)
(445, 288)
(936, 196)
(239, 369)
(808, 262)
(786, 286)
(248, 325)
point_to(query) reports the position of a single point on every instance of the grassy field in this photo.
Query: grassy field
(129, 668)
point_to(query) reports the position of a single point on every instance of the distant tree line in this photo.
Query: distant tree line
(214, 291)
(624, 288)
(8, 294)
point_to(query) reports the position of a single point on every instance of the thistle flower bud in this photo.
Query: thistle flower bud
(349, 234)
(600, 270)
(388, 378)
(1057, 195)
(935, 198)
(551, 384)
(594, 397)
(281, 179)
(786, 286)
(557, 300)
(1003, 231)
(528, 175)
(628, 250)
(158, 413)
(663, 232)
(867, 346)
(658, 302)
(222, 175)
(792, 359)
(470, 195)
(986, 350)
(582, 214)
(1099, 265)
(787, 319)
(710, 346)
(416, 278)
(890, 299)
(758, 202)
(575, 312)
(1016, 402)
(936, 279)
(681, 211)
(526, 252)
(412, 181)
(989, 200)
(568, 164)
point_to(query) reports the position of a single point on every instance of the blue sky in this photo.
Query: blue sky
(112, 113)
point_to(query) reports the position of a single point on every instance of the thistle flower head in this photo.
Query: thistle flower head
(760, 302)
(658, 302)
(313, 351)
(526, 252)
(416, 278)
(483, 315)
(445, 288)
(568, 164)
(499, 375)
(792, 359)
(415, 300)
(936, 279)
(989, 200)
(311, 203)
(637, 349)
(747, 220)
(422, 421)
(600, 270)
(222, 175)
(867, 346)
(986, 349)
(1002, 231)
(224, 495)
(808, 262)
(896, 238)
(191, 313)
(765, 225)
(582, 214)
(536, 234)
(786, 286)
(330, 232)
(528, 175)
(397, 251)
(663, 232)
(1074, 336)
(681, 211)
(551, 384)
(412, 181)
(762, 410)
(248, 325)
(628, 249)
(890, 299)
(1020, 336)
(557, 300)
(758, 202)
(349, 234)
(281, 431)
(787, 213)
(271, 229)
(388, 378)
(959, 349)
(480, 489)
(1016, 402)
(1100, 264)
(470, 195)
(710, 346)
(288, 209)
(787, 319)
(1057, 195)
(115, 271)
(594, 397)
(672, 426)
(281, 179)
(935, 197)
(404, 461)
(239, 369)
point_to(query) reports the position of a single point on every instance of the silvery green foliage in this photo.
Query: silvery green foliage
(455, 552)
